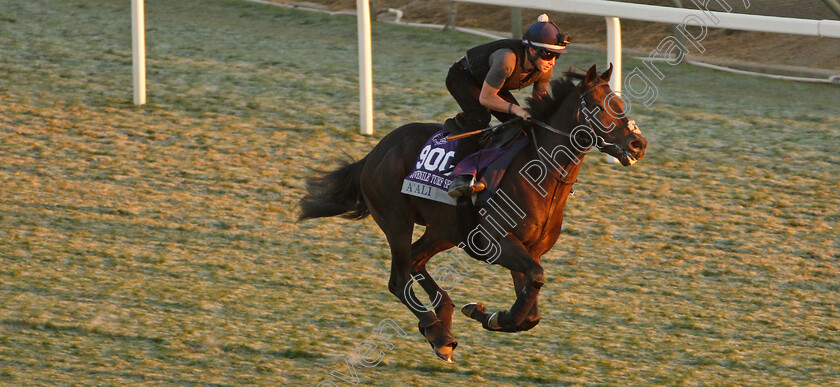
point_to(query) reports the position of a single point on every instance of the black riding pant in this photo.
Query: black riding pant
(466, 90)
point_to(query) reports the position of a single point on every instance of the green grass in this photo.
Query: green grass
(157, 244)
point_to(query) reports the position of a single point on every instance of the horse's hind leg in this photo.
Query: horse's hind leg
(478, 312)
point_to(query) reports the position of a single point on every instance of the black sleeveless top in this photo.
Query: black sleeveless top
(478, 60)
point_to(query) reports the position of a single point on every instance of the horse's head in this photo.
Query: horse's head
(601, 112)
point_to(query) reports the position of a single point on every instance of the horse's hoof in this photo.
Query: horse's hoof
(474, 311)
(441, 340)
(445, 353)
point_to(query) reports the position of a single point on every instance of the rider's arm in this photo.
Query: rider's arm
(490, 99)
(502, 64)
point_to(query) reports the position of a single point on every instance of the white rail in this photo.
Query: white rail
(697, 19)
(652, 13)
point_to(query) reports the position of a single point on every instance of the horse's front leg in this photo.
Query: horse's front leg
(440, 337)
(403, 276)
(533, 317)
(421, 251)
(430, 326)
(515, 257)
(444, 307)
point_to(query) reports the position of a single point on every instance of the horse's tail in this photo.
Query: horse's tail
(337, 193)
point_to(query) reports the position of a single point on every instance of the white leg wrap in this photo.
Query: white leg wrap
(494, 321)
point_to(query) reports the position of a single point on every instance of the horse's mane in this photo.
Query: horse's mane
(543, 108)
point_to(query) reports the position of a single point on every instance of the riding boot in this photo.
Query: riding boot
(463, 185)
(462, 122)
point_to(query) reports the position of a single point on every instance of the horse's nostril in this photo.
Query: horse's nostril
(636, 145)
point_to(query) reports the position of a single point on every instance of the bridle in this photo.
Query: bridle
(600, 144)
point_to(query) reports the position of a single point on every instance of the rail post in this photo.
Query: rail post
(515, 23)
(365, 68)
(138, 54)
(614, 57)
(450, 20)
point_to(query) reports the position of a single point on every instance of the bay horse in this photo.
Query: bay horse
(567, 123)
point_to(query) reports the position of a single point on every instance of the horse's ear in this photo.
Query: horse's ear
(607, 74)
(590, 75)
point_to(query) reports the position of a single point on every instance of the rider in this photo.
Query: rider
(481, 82)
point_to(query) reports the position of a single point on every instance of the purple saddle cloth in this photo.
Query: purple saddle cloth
(434, 169)
(432, 173)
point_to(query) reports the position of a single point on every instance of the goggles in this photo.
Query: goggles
(562, 41)
(546, 55)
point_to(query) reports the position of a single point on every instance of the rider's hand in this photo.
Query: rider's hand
(520, 111)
